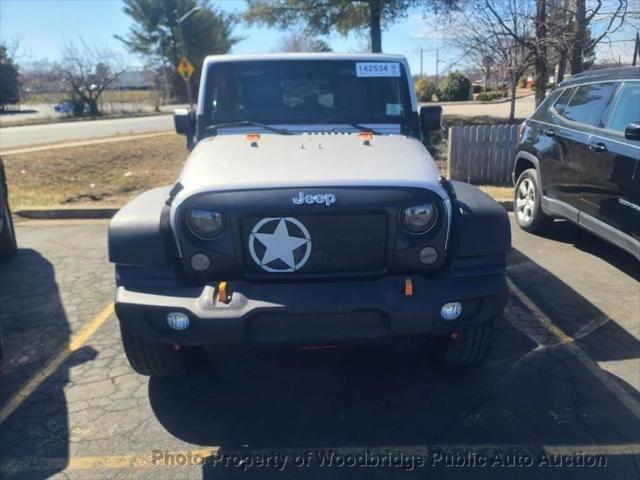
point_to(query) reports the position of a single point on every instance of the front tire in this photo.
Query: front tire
(527, 203)
(154, 359)
(467, 347)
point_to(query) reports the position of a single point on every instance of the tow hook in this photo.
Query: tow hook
(408, 287)
(223, 296)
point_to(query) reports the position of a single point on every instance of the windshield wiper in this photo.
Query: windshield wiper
(358, 126)
(249, 123)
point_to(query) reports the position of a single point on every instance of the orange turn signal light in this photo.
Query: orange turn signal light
(222, 292)
(366, 137)
(408, 287)
(253, 138)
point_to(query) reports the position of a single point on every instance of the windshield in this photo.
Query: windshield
(307, 92)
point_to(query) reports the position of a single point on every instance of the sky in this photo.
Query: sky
(42, 28)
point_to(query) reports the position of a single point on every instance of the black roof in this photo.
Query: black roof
(603, 74)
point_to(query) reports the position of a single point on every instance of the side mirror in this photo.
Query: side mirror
(430, 119)
(185, 124)
(632, 132)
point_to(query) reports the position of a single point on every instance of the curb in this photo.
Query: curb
(82, 143)
(67, 213)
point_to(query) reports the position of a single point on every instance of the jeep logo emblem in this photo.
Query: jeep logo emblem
(327, 199)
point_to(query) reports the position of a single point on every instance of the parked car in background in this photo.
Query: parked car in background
(8, 246)
(64, 107)
(579, 158)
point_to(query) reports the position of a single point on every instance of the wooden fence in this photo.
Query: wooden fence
(482, 154)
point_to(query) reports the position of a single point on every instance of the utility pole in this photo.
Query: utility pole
(636, 50)
(421, 54)
(165, 80)
(437, 65)
(184, 50)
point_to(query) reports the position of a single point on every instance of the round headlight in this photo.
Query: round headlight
(205, 224)
(419, 219)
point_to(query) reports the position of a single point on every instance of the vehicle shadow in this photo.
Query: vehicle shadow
(569, 233)
(35, 330)
(600, 337)
(531, 396)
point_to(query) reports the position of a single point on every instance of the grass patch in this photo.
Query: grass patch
(100, 175)
(498, 193)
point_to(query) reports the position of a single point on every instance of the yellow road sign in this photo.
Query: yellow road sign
(185, 68)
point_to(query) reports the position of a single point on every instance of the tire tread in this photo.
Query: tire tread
(470, 347)
(153, 359)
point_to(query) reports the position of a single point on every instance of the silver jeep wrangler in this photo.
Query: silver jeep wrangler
(308, 213)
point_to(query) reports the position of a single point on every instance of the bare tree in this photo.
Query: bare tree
(540, 51)
(42, 76)
(577, 27)
(513, 32)
(544, 31)
(601, 19)
(89, 71)
(487, 63)
(498, 42)
(299, 42)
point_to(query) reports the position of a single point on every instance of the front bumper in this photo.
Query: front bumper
(313, 312)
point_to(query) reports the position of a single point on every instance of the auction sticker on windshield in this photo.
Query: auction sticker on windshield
(394, 109)
(377, 69)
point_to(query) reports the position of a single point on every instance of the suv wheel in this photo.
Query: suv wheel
(527, 203)
(467, 347)
(155, 359)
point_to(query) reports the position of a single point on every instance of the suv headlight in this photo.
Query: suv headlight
(204, 223)
(419, 219)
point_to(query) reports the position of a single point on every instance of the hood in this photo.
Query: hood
(231, 162)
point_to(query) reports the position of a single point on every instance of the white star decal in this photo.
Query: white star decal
(280, 245)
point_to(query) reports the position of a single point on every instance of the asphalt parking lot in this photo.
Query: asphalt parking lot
(558, 398)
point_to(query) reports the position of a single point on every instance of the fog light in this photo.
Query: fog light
(178, 320)
(428, 255)
(451, 311)
(200, 262)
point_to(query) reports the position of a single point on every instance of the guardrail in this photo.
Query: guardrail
(482, 154)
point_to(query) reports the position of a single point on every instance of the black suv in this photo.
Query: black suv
(579, 158)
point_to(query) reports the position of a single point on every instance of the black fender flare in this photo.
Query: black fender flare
(480, 224)
(139, 234)
(530, 158)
